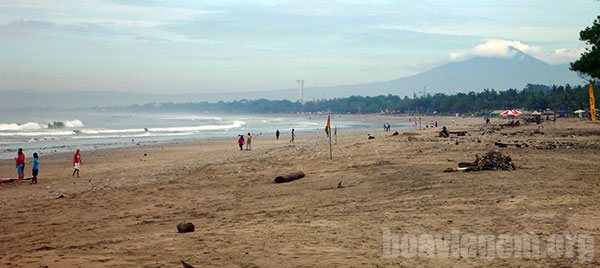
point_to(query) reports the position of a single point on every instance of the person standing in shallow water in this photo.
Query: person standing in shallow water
(277, 134)
(76, 163)
(293, 136)
(20, 164)
(35, 169)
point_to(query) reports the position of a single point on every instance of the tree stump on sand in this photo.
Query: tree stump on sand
(289, 177)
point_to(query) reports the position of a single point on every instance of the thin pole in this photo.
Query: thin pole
(329, 133)
(330, 152)
(592, 103)
(301, 83)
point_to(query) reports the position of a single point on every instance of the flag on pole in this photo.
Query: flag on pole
(592, 103)
(328, 126)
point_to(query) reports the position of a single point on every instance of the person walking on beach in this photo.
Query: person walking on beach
(293, 136)
(76, 163)
(35, 169)
(249, 142)
(20, 164)
(277, 134)
(241, 142)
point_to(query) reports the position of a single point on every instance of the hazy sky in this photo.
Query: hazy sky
(215, 46)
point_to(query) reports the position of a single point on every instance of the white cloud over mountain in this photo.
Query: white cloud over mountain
(503, 49)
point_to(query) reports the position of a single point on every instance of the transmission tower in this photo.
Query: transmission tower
(301, 83)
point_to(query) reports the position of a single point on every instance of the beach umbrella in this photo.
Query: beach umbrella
(580, 112)
(511, 113)
(536, 113)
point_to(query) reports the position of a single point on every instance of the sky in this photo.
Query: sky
(177, 46)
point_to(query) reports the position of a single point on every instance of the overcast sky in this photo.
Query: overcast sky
(215, 46)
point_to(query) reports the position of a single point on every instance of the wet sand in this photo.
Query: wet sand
(124, 209)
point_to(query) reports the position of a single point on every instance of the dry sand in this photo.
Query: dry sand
(124, 210)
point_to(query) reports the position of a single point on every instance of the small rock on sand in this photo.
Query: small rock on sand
(186, 227)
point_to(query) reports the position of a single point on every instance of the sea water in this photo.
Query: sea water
(54, 132)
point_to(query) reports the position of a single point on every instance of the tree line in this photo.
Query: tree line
(565, 98)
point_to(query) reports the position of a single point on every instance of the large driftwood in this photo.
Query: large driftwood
(504, 145)
(458, 133)
(289, 177)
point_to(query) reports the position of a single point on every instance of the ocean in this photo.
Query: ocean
(55, 132)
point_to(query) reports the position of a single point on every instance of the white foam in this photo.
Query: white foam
(37, 133)
(112, 131)
(235, 124)
(19, 127)
(147, 134)
(73, 123)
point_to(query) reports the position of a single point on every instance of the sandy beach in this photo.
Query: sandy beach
(124, 209)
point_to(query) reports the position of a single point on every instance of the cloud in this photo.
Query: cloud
(504, 49)
(30, 19)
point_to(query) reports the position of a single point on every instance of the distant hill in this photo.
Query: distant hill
(472, 74)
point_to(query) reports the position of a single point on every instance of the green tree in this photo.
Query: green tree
(589, 63)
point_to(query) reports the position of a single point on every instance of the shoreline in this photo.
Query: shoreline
(57, 149)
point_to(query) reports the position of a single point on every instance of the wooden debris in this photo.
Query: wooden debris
(289, 177)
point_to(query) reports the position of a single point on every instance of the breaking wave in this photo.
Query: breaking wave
(29, 129)
(73, 123)
(20, 127)
(29, 126)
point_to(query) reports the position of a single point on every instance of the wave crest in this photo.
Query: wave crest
(18, 127)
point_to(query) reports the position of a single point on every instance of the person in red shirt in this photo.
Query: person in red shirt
(20, 164)
(76, 163)
(241, 142)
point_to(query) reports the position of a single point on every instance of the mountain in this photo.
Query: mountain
(472, 74)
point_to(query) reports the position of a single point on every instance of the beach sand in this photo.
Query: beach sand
(124, 209)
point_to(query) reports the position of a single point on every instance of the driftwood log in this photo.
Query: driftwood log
(458, 133)
(504, 145)
(289, 177)
(186, 265)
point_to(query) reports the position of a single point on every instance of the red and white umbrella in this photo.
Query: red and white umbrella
(511, 113)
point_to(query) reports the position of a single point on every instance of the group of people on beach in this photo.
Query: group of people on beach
(428, 124)
(248, 139)
(35, 169)
(387, 127)
(431, 124)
